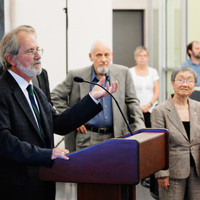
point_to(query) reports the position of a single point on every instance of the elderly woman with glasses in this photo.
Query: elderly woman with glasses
(181, 116)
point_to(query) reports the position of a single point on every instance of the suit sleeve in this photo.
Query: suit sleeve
(60, 94)
(158, 121)
(75, 116)
(13, 145)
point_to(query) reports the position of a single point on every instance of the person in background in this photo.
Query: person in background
(180, 115)
(108, 123)
(28, 120)
(193, 51)
(146, 81)
(41, 80)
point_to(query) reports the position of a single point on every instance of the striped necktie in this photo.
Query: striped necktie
(35, 108)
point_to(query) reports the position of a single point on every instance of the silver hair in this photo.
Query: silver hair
(9, 44)
(97, 42)
(182, 69)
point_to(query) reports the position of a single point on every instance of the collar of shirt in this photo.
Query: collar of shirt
(191, 63)
(23, 84)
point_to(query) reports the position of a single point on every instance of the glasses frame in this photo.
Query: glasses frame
(181, 81)
(32, 52)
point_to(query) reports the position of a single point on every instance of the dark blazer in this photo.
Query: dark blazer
(22, 149)
(42, 81)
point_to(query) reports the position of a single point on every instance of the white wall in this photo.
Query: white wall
(49, 20)
(89, 20)
(130, 4)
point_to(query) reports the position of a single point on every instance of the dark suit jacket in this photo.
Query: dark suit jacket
(22, 149)
(43, 82)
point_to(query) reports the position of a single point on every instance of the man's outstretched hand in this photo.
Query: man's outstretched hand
(98, 92)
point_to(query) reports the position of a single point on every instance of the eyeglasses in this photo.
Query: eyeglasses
(32, 52)
(182, 81)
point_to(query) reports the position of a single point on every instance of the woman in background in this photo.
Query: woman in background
(181, 116)
(146, 83)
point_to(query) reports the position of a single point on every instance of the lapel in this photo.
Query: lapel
(114, 77)
(22, 101)
(43, 115)
(85, 87)
(193, 119)
(174, 118)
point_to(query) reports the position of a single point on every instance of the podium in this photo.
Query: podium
(102, 170)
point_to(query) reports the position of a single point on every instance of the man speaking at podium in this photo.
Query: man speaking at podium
(28, 120)
(108, 123)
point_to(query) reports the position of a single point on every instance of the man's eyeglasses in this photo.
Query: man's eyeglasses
(32, 52)
(182, 81)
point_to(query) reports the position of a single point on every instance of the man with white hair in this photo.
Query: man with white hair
(109, 122)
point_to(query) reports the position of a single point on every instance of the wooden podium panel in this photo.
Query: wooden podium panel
(97, 191)
(152, 149)
(124, 160)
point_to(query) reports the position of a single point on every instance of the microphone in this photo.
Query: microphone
(78, 79)
(81, 80)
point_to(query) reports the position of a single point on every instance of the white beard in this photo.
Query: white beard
(102, 70)
(30, 70)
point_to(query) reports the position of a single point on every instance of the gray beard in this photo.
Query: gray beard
(102, 70)
(30, 70)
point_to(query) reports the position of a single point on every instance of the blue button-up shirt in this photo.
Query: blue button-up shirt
(105, 117)
(195, 67)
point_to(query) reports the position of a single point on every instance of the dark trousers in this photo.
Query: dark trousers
(147, 119)
(44, 191)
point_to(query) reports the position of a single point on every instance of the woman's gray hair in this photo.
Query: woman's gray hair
(9, 44)
(183, 69)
